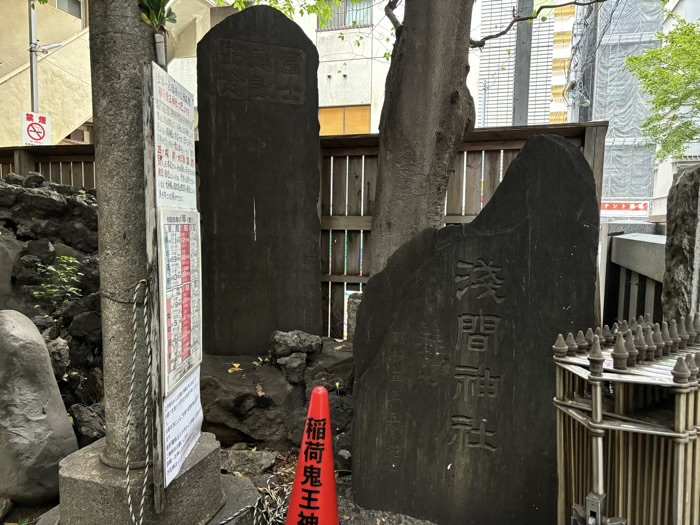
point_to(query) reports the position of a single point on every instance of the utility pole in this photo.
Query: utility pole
(33, 62)
(523, 59)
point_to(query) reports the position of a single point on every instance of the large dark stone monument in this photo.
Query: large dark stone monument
(259, 165)
(453, 394)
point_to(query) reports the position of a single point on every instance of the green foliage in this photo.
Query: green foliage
(59, 283)
(321, 8)
(156, 14)
(670, 75)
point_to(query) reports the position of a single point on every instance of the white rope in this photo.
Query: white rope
(146, 402)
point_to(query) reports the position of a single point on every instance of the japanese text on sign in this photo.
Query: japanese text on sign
(36, 129)
(255, 71)
(311, 484)
(180, 290)
(182, 422)
(173, 134)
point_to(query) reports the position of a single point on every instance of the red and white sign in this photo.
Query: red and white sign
(625, 209)
(36, 129)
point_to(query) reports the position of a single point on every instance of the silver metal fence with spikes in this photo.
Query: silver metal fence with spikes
(628, 416)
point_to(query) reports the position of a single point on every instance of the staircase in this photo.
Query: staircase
(64, 91)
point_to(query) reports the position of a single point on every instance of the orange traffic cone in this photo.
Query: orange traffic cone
(314, 498)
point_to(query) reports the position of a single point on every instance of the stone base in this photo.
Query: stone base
(91, 492)
(239, 493)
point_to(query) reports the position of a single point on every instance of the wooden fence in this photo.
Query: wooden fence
(73, 165)
(348, 182)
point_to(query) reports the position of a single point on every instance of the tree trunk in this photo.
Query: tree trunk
(426, 112)
(120, 45)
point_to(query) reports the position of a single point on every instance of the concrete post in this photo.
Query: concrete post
(523, 59)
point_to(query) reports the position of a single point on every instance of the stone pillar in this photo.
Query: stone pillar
(681, 277)
(93, 481)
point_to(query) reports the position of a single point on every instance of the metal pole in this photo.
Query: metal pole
(523, 59)
(33, 64)
(484, 88)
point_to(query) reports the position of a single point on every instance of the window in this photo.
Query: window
(351, 120)
(72, 7)
(350, 14)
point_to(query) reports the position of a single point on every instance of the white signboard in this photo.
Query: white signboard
(36, 129)
(182, 423)
(180, 294)
(173, 134)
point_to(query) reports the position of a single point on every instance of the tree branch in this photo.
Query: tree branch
(536, 14)
(389, 10)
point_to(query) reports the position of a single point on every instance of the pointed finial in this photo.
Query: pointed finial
(633, 325)
(658, 341)
(666, 338)
(680, 372)
(690, 329)
(601, 337)
(624, 327)
(619, 353)
(560, 347)
(607, 334)
(640, 321)
(675, 338)
(651, 346)
(581, 342)
(692, 367)
(589, 338)
(640, 345)
(572, 347)
(632, 352)
(647, 320)
(596, 359)
(683, 333)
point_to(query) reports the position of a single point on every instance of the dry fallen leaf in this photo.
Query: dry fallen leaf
(235, 368)
(259, 390)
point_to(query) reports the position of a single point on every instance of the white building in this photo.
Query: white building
(663, 177)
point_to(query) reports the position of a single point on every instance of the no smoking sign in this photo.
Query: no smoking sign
(36, 129)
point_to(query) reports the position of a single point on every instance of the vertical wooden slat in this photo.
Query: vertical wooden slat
(370, 184)
(473, 183)
(89, 175)
(55, 171)
(326, 308)
(338, 239)
(508, 157)
(66, 170)
(326, 185)
(354, 207)
(455, 187)
(492, 174)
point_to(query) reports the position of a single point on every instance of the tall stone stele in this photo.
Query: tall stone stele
(259, 165)
(454, 420)
(682, 272)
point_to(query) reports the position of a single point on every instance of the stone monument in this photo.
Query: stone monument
(259, 165)
(453, 406)
(681, 279)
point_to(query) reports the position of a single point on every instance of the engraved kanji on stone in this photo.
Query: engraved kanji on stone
(235, 86)
(482, 276)
(233, 53)
(477, 382)
(291, 91)
(476, 331)
(260, 87)
(262, 58)
(464, 433)
(291, 63)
